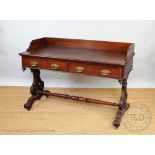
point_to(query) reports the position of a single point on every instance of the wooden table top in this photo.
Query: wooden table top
(76, 54)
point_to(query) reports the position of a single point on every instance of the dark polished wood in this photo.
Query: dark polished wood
(88, 57)
(123, 105)
(76, 54)
(37, 85)
(77, 98)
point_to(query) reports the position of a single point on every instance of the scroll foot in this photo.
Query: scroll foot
(31, 100)
(119, 115)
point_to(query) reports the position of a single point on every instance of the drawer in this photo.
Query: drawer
(44, 63)
(97, 70)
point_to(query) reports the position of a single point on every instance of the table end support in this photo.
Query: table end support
(123, 105)
(37, 85)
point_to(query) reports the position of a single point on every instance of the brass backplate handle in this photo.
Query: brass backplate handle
(55, 66)
(105, 72)
(79, 69)
(33, 64)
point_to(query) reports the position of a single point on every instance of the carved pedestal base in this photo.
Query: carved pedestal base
(37, 91)
(37, 85)
(123, 105)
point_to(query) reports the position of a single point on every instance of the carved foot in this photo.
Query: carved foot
(31, 100)
(119, 115)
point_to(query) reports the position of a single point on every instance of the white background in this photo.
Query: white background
(15, 37)
(77, 9)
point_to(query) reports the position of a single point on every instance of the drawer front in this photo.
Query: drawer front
(44, 63)
(97, 70)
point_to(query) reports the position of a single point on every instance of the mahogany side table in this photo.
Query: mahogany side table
(88, 57)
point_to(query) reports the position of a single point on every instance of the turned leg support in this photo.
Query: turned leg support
(123, 105)
(37, 85)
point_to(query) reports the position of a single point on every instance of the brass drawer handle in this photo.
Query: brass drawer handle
(105, 72)
(55, 66)
(33, 64)
(79, 69)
